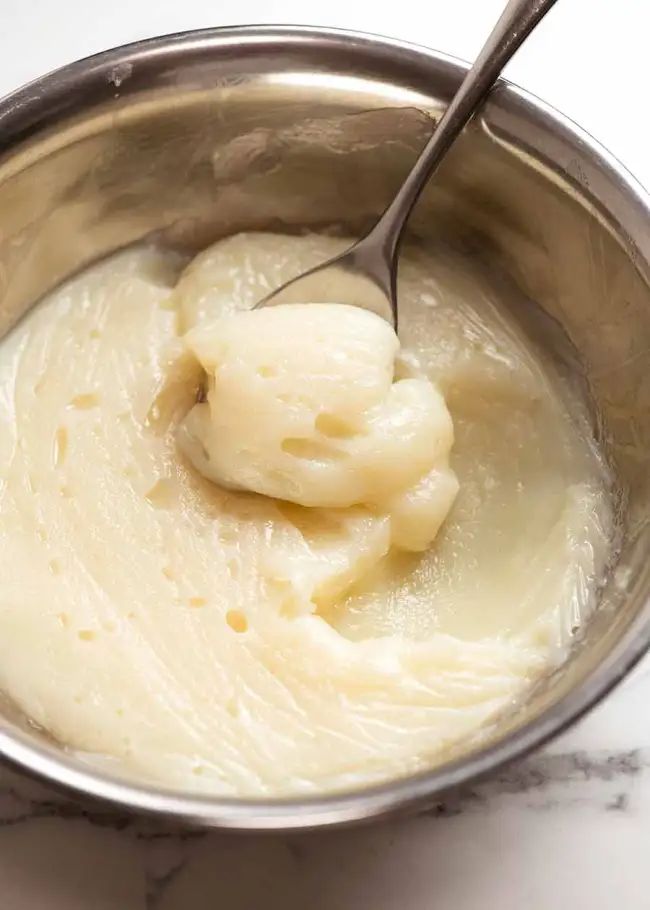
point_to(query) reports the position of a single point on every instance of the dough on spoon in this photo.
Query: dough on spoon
(302, 405)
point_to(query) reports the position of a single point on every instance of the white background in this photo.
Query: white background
(590, 58)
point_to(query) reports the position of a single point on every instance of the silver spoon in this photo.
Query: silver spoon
(370, 266)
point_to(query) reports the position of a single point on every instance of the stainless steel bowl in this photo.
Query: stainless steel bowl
(197, 135)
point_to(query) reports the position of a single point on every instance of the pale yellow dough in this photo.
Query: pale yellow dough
(302, 404)
(215, 640)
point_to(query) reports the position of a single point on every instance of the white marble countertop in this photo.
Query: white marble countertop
(568, 827)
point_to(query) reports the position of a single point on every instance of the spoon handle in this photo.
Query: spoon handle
(517, 21)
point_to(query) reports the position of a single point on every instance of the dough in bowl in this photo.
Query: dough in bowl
(271, 553)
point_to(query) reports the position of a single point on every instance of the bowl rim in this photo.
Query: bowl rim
(304, 812)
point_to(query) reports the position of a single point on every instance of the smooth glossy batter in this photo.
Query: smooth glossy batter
(219, 640)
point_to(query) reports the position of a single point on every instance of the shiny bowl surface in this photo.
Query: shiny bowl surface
(194, 136)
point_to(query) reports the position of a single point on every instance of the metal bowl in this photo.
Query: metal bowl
(198, 135)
